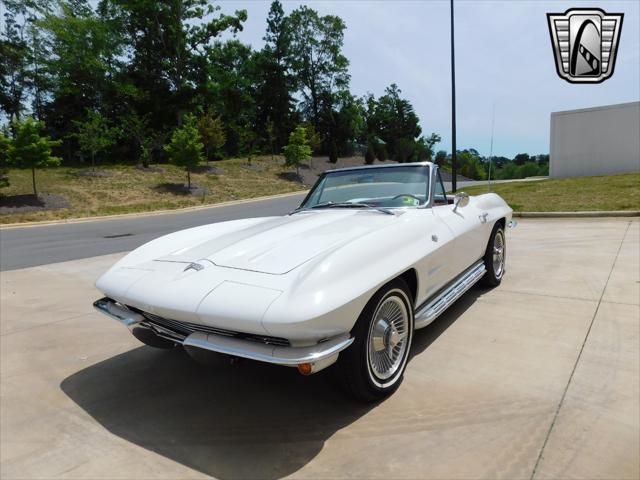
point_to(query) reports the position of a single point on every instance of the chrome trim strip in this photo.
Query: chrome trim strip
(290, 356)
(125, 316)
(279, 355)
(436, 306)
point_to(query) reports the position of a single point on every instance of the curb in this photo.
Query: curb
(151, 213)
(594, 214)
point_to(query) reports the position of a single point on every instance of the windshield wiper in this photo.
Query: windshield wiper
(351, 205)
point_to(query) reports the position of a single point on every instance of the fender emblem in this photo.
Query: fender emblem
(195, 266)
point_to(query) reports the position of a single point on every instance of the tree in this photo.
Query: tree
(212, 132)
(393, 119)
(298, 150)
(313, 137)
(275, 84)
(231, 92)
(333, 152)
(521, 158)
(369, 156)
(30, 149)
(317, 61)
(429, 143)
(170, 44)
(185, 148)
(270, 129)
(21, 72)
(84, 56)
(136, 128)
(441, 158)
(95, 134)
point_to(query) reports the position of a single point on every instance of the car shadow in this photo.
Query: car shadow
(247, 420)
(244, 420)
(424, 337)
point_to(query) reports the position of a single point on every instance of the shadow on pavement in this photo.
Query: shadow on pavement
(247, 420)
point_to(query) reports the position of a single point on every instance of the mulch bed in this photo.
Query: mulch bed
(93, 173)
(207, 169)
(150, 169)
(181, 189)
(30, 203)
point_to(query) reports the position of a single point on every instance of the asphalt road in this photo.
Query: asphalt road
(41, 245)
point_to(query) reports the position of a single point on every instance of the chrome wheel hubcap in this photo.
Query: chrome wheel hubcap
(388, 337)
(498, 254)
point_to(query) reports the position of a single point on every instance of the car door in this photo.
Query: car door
(466, 225)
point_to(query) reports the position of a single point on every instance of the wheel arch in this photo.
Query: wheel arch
(410, 277)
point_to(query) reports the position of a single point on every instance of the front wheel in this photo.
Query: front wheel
(372, 368)
(495, 257)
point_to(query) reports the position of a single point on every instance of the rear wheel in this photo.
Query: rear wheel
(373, 366)
(495, 257)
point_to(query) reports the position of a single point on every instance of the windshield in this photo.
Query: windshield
(401, 186)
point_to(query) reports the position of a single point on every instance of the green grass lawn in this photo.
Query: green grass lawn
(132, 190)
(602, 193)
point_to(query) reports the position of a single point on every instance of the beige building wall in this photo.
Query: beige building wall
(595, 141)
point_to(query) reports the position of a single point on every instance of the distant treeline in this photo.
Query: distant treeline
(113, 79)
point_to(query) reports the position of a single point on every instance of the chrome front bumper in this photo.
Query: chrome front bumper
(317, 356)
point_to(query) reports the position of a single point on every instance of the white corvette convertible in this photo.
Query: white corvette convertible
(372, 254)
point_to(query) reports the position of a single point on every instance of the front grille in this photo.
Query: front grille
(184, 329)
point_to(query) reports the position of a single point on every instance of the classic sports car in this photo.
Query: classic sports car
(371, 254)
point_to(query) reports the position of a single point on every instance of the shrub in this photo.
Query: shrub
(212, 132)
(185, 147)
(528, 169)
(298, 150)
(30, 149)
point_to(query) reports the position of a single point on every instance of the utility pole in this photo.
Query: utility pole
(454, 160)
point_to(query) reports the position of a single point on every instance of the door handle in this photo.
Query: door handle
(483, 217)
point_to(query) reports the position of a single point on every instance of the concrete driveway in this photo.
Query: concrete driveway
(538, 378)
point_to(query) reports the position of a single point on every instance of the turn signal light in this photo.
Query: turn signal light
(305, 368)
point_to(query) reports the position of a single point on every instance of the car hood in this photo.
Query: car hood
(279, 245)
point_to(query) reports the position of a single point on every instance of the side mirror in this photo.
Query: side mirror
(461, 200)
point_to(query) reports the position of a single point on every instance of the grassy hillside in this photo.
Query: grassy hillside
(129, 189)
(611, 192)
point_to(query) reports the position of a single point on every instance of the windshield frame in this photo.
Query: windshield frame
(428, 186)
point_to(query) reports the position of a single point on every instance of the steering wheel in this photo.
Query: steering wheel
(406, 195)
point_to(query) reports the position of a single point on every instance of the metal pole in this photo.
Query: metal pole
(454, 162)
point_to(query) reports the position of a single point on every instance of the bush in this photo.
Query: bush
(185, 148)
(30, 149)
(298, 150)
(369, 156)
(528, 169)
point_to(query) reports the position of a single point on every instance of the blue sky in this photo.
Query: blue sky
(503, 58)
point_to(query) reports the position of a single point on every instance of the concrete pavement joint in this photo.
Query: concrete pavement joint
(575, 365)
